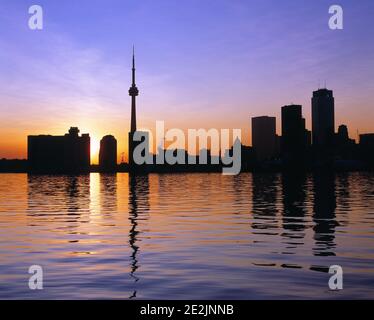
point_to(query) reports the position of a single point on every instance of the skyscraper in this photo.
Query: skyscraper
(323, 119)
(108, 153)
(293, 132)
(264, 139)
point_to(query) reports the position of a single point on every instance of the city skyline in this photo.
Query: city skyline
(74, 153)
(79, 76)
(202, 151)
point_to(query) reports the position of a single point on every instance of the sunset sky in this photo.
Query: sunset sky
(200, 64)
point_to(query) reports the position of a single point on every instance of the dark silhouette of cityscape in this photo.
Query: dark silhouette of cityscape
(296, 149)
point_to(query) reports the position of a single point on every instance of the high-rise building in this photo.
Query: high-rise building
(108, 153)
(264, 138)
(323, 119)
(293, 132)
(68, 153)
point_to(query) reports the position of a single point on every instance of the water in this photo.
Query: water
(187, 236)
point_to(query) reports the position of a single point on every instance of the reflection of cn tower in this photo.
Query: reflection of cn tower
(138, 205)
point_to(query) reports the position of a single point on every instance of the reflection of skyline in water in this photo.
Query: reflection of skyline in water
(108, 194)
(71, 195)
(138, 206)
(204, 231)
(294, 211)
(324, 217)
(293, 189)
(265, 188)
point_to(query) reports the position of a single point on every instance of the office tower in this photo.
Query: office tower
(63, 154)
(293, 132)
(108, 153)
(323, 122)
(264, 138)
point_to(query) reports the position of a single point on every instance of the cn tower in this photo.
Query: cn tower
(133, 92)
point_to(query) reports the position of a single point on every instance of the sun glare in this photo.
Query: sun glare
(95, 148)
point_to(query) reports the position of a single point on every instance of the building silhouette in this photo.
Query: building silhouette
(293, 134)
(367, 140)
(308, 135)
(247, 155)
(68, 153)
(13, 165)
(264, 137)
(323, 118)
(367, 148)
(342, 136)
(345, 148)
(135, 137)
(108, 153)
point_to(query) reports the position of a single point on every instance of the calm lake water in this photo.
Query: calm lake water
(187, 236)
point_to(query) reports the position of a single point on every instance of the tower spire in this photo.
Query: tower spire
(133, 65)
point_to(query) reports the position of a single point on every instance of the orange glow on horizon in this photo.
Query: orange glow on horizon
(95, 149)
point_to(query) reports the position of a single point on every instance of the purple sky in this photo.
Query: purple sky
(200, 63)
